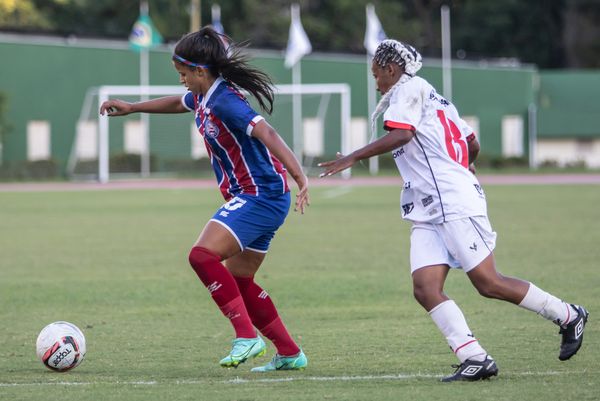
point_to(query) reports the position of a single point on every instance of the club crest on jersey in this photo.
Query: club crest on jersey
(211, 129)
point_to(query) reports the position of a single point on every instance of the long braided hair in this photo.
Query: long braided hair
(205, 48)
(393, 51)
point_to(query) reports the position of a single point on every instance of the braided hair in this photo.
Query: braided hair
(205, 48)
(393, 51)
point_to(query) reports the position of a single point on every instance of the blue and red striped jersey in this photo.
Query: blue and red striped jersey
(242, 163)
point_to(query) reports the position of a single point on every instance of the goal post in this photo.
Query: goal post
(318, 96)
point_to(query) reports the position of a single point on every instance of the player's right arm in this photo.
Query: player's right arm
(167, 104)
(392, 140)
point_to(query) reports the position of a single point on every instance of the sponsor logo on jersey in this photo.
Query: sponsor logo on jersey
(473, 247)
(398, 153)
(434, 96)
(478, 188)
(407, 208)
(407, 185)
(427, 201)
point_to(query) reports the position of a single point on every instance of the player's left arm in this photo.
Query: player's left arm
(473, 148)
(267, 135)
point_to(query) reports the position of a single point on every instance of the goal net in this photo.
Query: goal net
(153, 144)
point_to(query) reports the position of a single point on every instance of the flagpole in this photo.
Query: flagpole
(298, 140)
(145, 117)
(374, 34)
(371, 102)
(195, 15)
(446, 56)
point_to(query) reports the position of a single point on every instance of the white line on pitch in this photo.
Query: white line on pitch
(239, 380)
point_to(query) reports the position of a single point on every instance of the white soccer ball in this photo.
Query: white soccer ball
(60, 346)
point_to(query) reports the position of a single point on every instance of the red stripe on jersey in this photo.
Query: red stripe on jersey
(224, 183)
(390, 125)
(241, 171)
(279, 169)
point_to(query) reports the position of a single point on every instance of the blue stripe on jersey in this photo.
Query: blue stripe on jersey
(242, 163)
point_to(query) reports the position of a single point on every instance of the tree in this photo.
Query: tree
(551, 34)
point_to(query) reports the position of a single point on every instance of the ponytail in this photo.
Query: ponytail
(206, 48)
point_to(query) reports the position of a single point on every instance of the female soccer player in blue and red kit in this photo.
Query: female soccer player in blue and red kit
(250, 161)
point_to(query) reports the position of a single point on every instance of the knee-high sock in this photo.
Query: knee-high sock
(223, 289)
(548, 306)
(451, 322)
(264, 316)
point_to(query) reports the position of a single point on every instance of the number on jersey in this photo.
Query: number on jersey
(455, 144)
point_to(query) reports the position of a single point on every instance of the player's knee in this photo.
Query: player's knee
(490, 289)
(424, 295)
(200, 256)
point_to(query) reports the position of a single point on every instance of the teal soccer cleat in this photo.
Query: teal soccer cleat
(242, 350)
(298, 362)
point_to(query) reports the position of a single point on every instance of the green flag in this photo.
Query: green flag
(144, 34)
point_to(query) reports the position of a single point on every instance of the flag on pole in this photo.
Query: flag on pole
(298, 44)
(216, 19)
(374, 33)
(144, 34)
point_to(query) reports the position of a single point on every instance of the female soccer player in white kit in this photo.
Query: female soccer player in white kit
(434, 150)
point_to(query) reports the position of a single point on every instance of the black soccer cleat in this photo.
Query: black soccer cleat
(471, 370)
(572, 334)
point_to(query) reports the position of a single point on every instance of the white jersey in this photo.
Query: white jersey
(438, 186)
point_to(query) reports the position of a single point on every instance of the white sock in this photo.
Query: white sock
(451, 322)
(548, 306)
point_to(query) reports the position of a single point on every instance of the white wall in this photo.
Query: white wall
(38, 140)
(134, 142)
(86, 147)
(512, 136)
(569, 151)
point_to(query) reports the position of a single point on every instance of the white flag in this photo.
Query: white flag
(374, 34)
(216, 19)
(298, 44)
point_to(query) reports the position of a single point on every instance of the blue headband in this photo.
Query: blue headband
(189, 63)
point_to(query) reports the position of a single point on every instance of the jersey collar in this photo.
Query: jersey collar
(212, 88)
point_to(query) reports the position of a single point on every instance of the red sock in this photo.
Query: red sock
(223, 289)
(264, 316)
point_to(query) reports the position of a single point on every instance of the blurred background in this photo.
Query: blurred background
(524, 74)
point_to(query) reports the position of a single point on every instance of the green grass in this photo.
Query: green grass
(115, 264)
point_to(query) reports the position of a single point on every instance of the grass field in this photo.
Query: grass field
(115, 264)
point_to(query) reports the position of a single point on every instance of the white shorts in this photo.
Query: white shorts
(462, 243)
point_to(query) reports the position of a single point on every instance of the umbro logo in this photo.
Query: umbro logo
(471, 370)
(579, 329)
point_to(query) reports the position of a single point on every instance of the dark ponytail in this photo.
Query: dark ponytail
(206, 47)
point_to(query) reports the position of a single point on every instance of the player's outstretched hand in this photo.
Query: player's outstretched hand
(335, 166)
(302, 198)
(116, 107)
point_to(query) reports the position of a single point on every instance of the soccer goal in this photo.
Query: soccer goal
(142, 144)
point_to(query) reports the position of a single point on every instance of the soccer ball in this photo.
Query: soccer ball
(60, 346)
